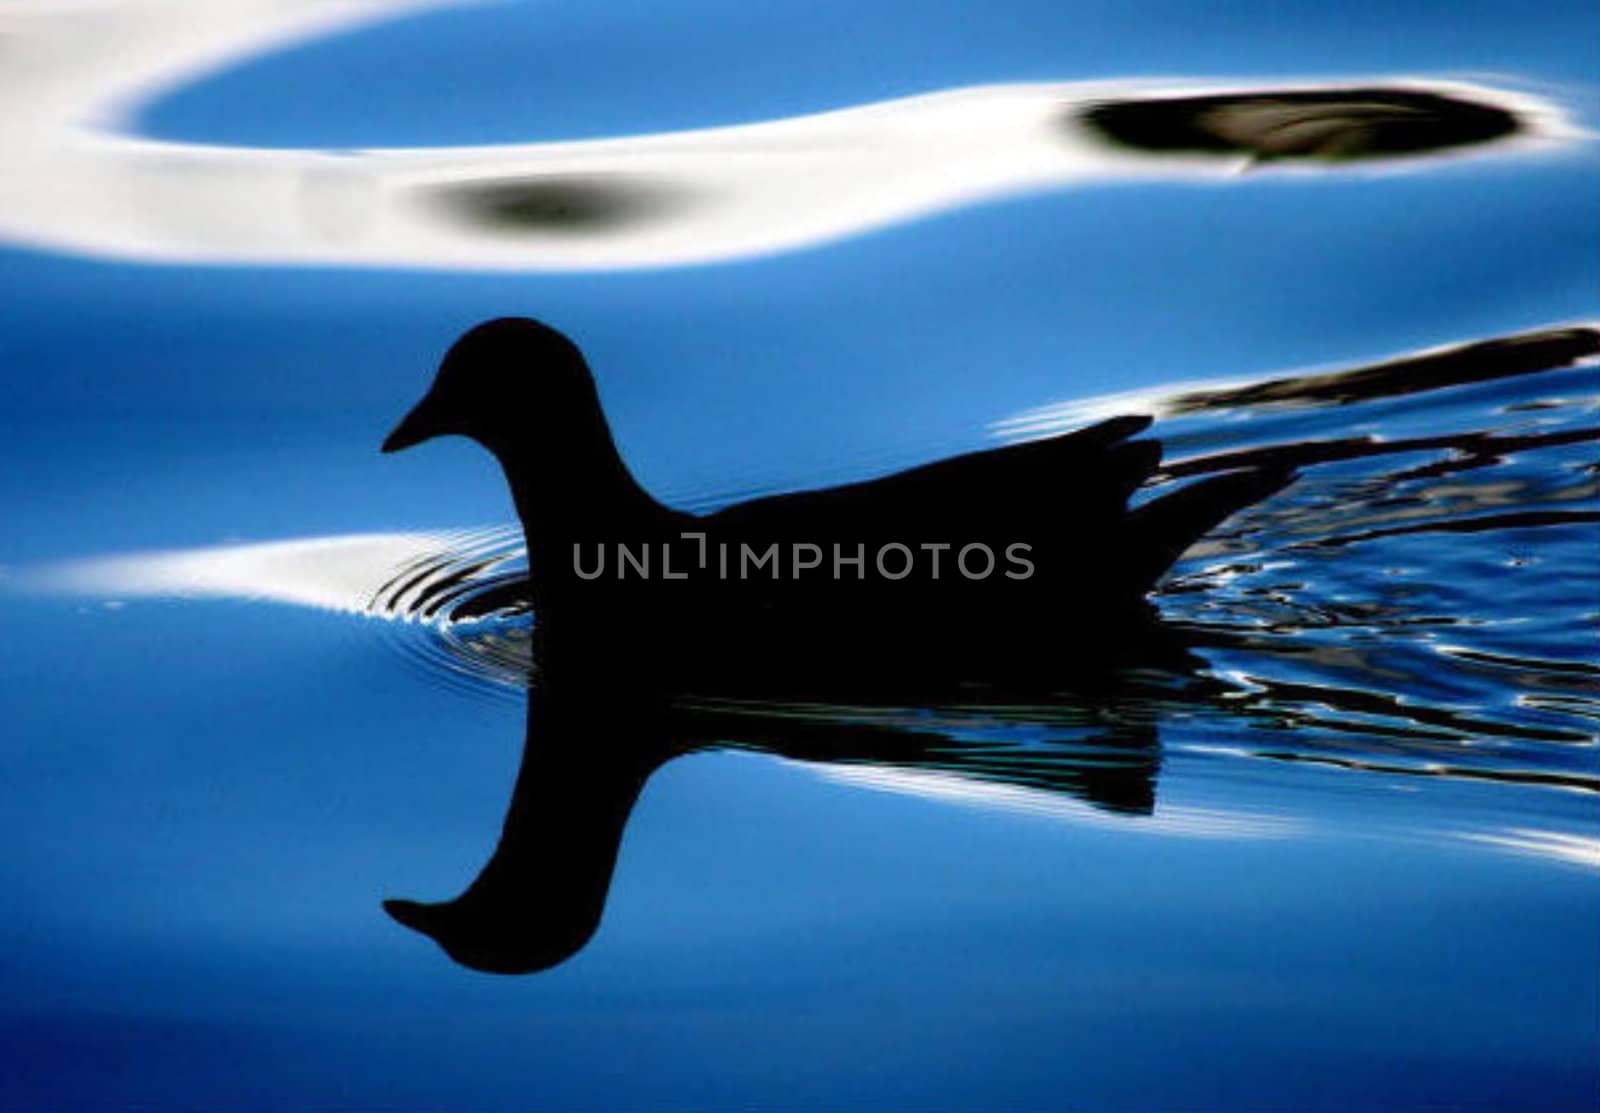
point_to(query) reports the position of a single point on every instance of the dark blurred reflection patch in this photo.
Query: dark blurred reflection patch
(1498, 358)
(1333, 125)
(672, 198)
(558, 204)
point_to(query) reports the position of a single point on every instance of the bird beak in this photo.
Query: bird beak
(416, 427)
(413, 914)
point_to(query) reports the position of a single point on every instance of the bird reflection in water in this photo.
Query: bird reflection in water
(593, 742)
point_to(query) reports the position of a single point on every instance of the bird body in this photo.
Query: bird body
(1021, 556)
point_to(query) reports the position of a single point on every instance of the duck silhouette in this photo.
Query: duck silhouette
(1022, 560)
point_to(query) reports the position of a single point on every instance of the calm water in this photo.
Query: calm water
(252, 685)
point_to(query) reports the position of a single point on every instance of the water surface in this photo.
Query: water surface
(1346, 861)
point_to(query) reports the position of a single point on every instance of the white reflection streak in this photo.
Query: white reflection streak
(1063, 417)
(954, 788)
(1559, 846)
(75, 73)
(331, 573)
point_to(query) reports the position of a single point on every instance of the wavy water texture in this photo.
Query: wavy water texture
(80, 179)
(1405, 610)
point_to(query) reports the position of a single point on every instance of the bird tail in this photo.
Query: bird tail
(1159, 531)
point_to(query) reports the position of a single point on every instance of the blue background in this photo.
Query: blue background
(204, 802)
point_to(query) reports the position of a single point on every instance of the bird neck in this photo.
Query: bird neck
(574, 488)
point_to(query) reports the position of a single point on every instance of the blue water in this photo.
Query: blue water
(1367, 874)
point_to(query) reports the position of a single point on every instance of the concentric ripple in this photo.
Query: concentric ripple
(461, 611)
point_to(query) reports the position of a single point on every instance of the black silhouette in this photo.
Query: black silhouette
(538, 900)
(603, 713)
(630, 664)
(592, 743)
(1056, 581)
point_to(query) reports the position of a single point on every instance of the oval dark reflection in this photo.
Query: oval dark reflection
(566, 203)
(1320, 124)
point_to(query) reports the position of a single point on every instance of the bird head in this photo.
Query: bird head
(506, 381)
